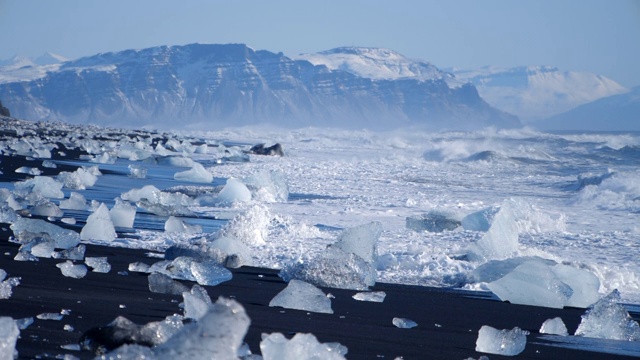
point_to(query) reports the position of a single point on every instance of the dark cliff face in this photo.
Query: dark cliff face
(224, 85)
(4, 111)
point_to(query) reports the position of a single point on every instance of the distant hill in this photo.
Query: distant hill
(613, 113)
(538, 92)
(210, 86)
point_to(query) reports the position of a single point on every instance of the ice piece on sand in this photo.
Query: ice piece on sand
(238, 254)
(480, 220)
(6, 286)
(585, 285)
(70, 270)
(300, 295)
(501, 342)
(9, 333)
(607, 319)
(372, 296)
(98, 264)
(234, 191)
(46, 208)
(65, 239)
(403, 323)
(361, 240)
(76, 201)
(250, 227)
(501, 240)
(196, 302)
(74, 253)
(47, 186)
(218, 335)
(554, 326)
(44, 249)
(532, 283)
(301, 347)
(99, 226)
(197, 174)
(433, 221)
(176, 225)
(122, 214)
(164, 284)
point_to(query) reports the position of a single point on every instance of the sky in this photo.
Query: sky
(599, 36)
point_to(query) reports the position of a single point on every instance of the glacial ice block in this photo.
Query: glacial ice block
(47, 186)
(65, 239)
(164, 284)
(301, 347)
(9, 333)
(300, 295)
(403, 323)
(196, 302)
(585, 285)
(501, 342)
(98, 264)
(361, 240)
(6, 286)
(99, 226)
(607, 319)
(234, 191)
(480, 220)
(76, 201)
(197, 174)
(501, 240)
(70, 270)
(122, 214)
(176, 225)
(372, 296)
(554, 326)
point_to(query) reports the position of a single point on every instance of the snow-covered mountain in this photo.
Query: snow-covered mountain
(208, 86)
(538, 92)
(614, 113)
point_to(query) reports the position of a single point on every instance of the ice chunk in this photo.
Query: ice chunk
(373, 296)
(501, 240)
(204, 271)
(50, 316)
(6, 286)
(532, 283)
(177, 161)
(196, 302)
(99, 226)
(554, 326)
(234, 191)
(148, 192)
(495, 269)
(76, 201)
(24, 323)
(28, 170)
(78, 180)
(46, 208)
(9, 333)
(70, 270)
(361, 240)
(218, 334)
(403, 323)
(175, 225)
(268, 186)
(197, 174)
(137, 172)
(433, 221)
(301, 347)
(45, 185)
(23, 229)
(585, 285)
(501, 342)
(43, 249)
(74, 253)
(238, 254)
(158, 202)
(98, 264)
(607, 319)
(164, 284)
(122, 214)
(480, 220)
(250, 227)
(300, 295)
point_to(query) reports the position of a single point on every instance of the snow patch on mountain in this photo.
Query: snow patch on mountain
(22, 68)
(538, 92)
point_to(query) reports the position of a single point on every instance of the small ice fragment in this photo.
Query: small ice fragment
(68, 328)
(138, 267)
(74, 271)
(554, 326)
(122, 214)
(75, 253)
(607, 319)
(24, 323)
(6, 286)
(234, 191)
(46, 208)
(50, 316)
(302, 346)
(373, 296)
(99, 226)
(137, 172)
(9, 333)
(76, 201)
(98, 264)
(302, 296)
(501, 342)
(196, 302)
(403, 323)
(71, 347)
(164, 284)
(176, 225)
(197, 174)
(44, 249)
(70, 221)
(47, 186)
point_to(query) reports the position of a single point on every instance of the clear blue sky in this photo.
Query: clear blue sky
(600, 36)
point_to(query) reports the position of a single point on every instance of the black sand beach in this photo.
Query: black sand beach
(448, 320)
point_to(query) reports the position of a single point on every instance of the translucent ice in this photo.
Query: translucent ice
(268, 186)
(196, 302)
(501, 342)
(501, 240)
(532, 283)
(218, 335)
(45, 185)
(43, 249)
(585, 285)
(403, 323)
(9, 333)
(176, 225)
(250, 227)
(122, 214)
(164, 284)
(6, 286)
(74, 253)
(197, 174)
(177, 161)
(361, 240)
(99, 226)
(373, 296)
(204, 271)
(234, 191)
(302, 296)
(23, 229)
(70, 270)
(46, 208)
(480, 220)
(76, 201)
(433, 221)
(607, 319)
(554, 326)
(137, 172)
(301, 347)
(98, 264)
(79, 179)
(235, 248)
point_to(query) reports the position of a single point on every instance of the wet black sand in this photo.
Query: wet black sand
(448, 320)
